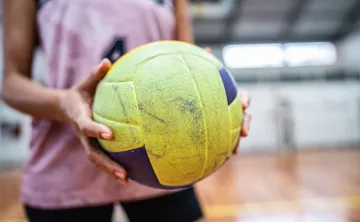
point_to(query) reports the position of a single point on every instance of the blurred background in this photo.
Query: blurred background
(300, 62)
(299, 59)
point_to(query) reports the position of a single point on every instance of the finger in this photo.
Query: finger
(90, 128)
(245, 99)
(245, 128)
(209, 50)
(103, 162)
(95, 76)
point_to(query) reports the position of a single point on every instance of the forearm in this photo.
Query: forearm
(184, 33)
(183, 22)
(31, 98)
(18, 91)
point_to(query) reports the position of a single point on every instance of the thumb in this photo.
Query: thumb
(96, 75)
(90, 128)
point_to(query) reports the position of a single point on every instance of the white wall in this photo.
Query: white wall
(349, 51)
(324, 114)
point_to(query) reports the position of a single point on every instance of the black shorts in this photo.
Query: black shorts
(181, 206)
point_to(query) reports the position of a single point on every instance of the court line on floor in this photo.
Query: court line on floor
(308, 204)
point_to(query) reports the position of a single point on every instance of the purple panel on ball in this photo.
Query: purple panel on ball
(229, 84)
(139, 168)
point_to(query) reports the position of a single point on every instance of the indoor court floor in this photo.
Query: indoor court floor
(312, 186)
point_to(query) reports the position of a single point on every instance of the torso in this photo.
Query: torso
(75, 35)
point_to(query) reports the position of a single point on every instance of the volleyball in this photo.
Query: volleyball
(174, 111)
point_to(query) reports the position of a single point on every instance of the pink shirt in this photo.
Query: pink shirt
(75, 35)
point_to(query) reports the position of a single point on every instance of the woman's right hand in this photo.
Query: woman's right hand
(71, 105)
(76, 104)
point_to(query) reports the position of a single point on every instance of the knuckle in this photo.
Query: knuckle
(82, 130)
(82, 126)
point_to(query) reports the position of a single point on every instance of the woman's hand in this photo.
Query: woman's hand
(76, 105)
(245, 127)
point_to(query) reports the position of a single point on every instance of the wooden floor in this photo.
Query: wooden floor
(308, 187)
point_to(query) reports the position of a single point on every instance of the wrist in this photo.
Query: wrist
(60, 98)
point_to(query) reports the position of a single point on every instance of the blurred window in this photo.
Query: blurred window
(309, 54)
(279, 55)
(253, 56)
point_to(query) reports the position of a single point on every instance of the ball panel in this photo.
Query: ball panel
(117, 102)
(125, 67)
(138, 166)
(172, 120)
(126, 137)
(236, 114)
(215, 108)
(229, 84)
(236, 117)
(125, 64)
(235, 135)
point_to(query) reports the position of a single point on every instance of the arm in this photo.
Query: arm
(18, 90)
(72, 106)
(183, 21)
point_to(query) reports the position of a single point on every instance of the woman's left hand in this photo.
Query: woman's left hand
(245, 127)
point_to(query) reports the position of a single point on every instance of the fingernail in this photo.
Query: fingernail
(107, 61)
(245, 132)
(103, 60)
(120, 175)
(105, 136)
